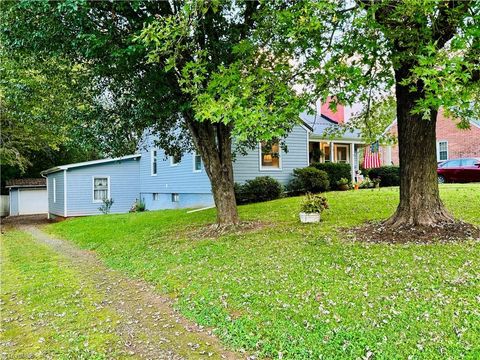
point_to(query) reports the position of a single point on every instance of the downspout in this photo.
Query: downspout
(48, 196)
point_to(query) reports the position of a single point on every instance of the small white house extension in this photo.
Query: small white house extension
(28, 196)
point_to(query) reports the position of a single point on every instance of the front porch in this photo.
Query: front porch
(342, 151)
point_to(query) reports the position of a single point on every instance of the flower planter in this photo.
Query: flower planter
(356, 186)
(309, 217)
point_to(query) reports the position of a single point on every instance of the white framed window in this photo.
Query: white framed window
(154, 163)
(197, 162)
(175, 197)
(156, 196)
(341, 154)
(442, 150)
(54, 190)
(175, 160)
(101, 188)
(270, 156)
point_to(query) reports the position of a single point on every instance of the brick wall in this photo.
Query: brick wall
(461, 143)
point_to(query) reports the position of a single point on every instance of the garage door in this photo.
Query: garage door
(32, 201)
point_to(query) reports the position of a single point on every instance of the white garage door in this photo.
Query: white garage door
(32, 201)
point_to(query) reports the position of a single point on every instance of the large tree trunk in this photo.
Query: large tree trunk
(420, 202)
(214, 143)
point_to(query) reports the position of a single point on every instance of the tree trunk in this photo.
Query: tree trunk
(420, 202)
(214, 143)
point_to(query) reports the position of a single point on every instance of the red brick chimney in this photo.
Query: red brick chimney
(338, 116)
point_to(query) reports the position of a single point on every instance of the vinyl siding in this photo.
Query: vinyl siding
(124, 187)
(248, 166)
(13, 202)
(171, 179)
(185, 200)
(56, 208)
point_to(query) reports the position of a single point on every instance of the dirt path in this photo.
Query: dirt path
(148, 324)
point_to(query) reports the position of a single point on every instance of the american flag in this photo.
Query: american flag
(371, 157)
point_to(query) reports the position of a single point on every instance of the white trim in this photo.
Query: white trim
(438, 150)
(93, 187)
(54, 190)
(266, 168)
(65, 193)
(48, 198)
(352, 160)
(194, 155)
(174, 164)
(308, 148)
(151, 162)
(336, 146)
(474, 124)
(86, 163)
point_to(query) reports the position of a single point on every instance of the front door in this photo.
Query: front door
(341, 153)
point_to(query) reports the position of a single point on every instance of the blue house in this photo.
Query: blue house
(163, 182)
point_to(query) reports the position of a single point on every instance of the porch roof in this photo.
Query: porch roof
(320, 123)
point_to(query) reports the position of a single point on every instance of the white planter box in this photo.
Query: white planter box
(309, 217)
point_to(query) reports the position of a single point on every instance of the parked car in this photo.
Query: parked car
(459, 170)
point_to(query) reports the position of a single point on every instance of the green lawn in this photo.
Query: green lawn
(301, 290)
(46, 311)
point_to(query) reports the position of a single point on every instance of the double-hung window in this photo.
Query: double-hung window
(270, 156)
(175, 160)
(154, 162)
(197, 162)
(101, 188)
(442, 150)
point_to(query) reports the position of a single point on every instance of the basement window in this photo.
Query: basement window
(175, 197)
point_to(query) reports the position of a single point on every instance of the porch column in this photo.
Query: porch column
(352, 160)
(331, 151)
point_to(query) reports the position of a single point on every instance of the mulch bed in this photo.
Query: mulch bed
(215, 231)
(375, 232)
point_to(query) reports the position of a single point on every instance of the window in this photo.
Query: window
(270, 156)
(442, 150)
(175, 160)
(154, 162)
(342, 153)
(197, 162)
(451, 164)
(101, 188)
(175, 197)
(54, 190)
(156, 196)
(470, 162)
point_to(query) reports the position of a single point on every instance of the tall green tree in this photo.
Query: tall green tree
(192, 71)
(424, 52)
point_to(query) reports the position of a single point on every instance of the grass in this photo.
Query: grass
(46, 311)
(301, 291)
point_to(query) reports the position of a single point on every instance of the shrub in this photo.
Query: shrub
(106, 206)
(138, 206)
(335, 171)
(262, 188)
(308, 179)
(389, 175)
(314, 204)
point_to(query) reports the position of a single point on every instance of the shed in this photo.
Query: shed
(79, 189)
(28, 196)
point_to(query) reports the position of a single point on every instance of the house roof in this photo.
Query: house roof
(89, 163)
(320, 123)
(30, 182)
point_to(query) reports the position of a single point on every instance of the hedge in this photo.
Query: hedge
(308, 179)
(335, 171)
(389, 175)
(262, 188)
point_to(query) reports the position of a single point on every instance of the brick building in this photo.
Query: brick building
(452, 142)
